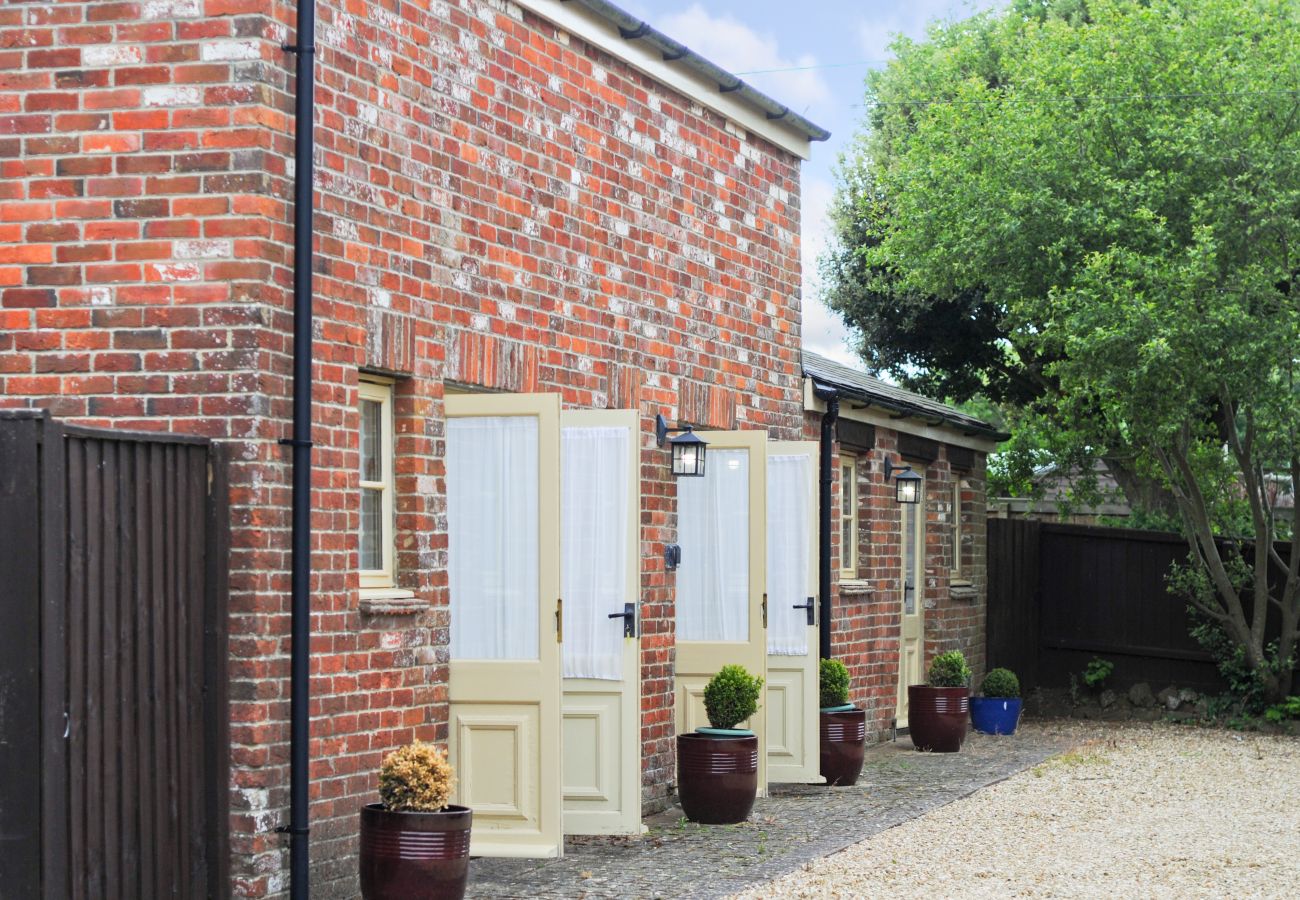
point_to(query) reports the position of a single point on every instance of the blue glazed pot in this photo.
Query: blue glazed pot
(995, 715)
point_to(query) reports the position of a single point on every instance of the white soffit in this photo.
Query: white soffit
(587, 26)
(914, 425)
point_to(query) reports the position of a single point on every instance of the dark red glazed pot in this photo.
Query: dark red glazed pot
(414, 855)
(843, 745)
(717, 777)
(938, 717)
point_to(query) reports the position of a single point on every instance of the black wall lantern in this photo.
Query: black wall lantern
(688, 448)
(907, 484)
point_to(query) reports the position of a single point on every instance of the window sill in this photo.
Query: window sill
(960, 589)
(855, 587)
(391, 601)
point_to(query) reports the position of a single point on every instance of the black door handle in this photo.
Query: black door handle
(628, 615)
(806, 606)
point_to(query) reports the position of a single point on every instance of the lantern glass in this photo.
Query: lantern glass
(688, 455)
(907, 487)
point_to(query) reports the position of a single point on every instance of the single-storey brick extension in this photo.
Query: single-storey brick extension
(538, 225)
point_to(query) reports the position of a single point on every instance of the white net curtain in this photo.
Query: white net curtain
(788, 509)
(492, 536)
(713, 531)
(594, 513)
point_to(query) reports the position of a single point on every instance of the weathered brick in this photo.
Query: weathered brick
(171, 96)
(111, 55)
(140, 209)
(653, 267)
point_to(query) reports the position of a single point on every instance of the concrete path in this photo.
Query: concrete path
(795, 825)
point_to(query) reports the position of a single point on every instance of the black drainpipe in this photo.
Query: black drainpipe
(300, 578)
(832, 399)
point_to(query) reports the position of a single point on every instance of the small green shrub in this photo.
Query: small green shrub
(731, 696)
(1096, 672)
(1280, 712)
(833, 682)
(949, 670)
(1000, 683)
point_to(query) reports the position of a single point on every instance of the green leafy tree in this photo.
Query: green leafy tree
(1102, 200)
(958, 342)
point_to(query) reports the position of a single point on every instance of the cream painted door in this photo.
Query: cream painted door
(793, 744)
(600, 577)
(721, 582)
(503, 531)
(911, 643)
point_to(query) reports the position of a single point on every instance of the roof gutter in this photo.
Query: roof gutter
(907, 411)
(634, 29)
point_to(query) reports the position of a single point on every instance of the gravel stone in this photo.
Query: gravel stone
(795, 825)
(1136, 810)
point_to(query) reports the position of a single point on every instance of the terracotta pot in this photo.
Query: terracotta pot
(414, 855)
(938, 717)
(844, 742)
(717, 777)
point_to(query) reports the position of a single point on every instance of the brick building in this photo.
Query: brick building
(917, 572)
(524, 198)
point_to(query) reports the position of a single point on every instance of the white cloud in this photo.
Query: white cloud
(738, 48)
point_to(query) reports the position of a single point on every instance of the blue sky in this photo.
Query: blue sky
(842, 39)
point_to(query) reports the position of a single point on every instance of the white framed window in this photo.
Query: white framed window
(956, 528)
(375, 408)
(848, 517)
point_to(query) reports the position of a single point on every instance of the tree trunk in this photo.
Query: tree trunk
(1142, 492)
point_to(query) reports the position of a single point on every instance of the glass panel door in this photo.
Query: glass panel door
(601, 576)
(911, 641)
(792, 715)
(722, 581)
(503, 527)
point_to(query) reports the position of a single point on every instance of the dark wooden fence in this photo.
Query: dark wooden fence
(1061, 594)
(113, 764)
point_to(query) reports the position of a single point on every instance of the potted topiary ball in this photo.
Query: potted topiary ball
(717, 768)
(414, 845)
(938, 713)
(998, 710)
(843, 726)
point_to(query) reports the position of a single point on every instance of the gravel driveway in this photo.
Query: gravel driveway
(1135, 811)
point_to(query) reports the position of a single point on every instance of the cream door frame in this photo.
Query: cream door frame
(793, 740)
(610, 760)
(911, 637)
(698, 661)
(503, 730)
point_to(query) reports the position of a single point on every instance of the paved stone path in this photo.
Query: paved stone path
(794, 825)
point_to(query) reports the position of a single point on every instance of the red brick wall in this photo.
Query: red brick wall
(866, 614)
(497, 205)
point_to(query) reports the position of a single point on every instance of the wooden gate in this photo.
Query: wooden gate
(113, 770)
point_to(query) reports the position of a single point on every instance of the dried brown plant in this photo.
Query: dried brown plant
(416, 778)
